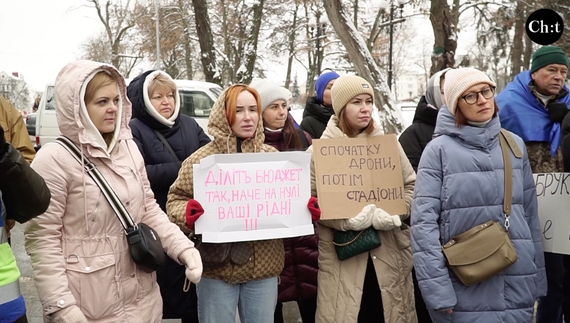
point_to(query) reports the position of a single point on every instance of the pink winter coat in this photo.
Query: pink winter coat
(78, 248)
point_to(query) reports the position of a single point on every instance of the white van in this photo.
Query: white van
(196, 100)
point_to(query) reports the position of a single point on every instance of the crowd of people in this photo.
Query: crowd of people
(467, 163)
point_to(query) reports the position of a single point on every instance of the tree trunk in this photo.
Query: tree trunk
(291, 46)
(206, 40)
(365, 65)
(444, 30)
(187, 47)
(528, 50)
(517, 52)
(251, 45)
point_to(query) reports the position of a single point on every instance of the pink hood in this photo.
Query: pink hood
(69, 97)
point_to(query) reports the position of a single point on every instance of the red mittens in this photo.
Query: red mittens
(314, 208)
(193, 211)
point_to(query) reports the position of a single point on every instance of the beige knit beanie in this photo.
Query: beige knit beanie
(457, 81)
(347, 87)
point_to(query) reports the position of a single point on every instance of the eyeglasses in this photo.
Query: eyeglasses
(471, 98)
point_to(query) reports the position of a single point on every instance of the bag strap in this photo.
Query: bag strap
(168, 147)
(116, 204)
(344, 244)
(506, 140)
(512, 143)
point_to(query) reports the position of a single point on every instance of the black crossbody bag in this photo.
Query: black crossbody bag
(144, 244)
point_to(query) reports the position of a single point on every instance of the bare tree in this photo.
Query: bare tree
(117, 19)
(251, 32)
(364, 63)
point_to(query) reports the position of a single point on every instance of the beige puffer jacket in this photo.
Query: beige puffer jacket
(78, 248)
(340, 283)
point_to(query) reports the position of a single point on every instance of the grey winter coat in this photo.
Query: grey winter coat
(460, 184)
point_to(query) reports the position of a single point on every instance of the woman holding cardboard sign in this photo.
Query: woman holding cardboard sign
(465, 176)
(376, 285)
(238, 274)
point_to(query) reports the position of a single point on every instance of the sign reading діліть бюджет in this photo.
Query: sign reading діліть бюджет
(253, 196)
(354, 172)
(553, 193)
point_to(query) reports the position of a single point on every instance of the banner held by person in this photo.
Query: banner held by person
(354, 172)
(553, 193)
(253, 196)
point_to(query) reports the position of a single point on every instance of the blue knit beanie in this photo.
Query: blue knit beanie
(322, 82)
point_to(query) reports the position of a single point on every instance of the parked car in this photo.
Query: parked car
(196, 100)
(408, 110)
(30, 120)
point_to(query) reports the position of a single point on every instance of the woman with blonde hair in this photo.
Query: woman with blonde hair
(165, 138)
(374, 286)
(83, 269)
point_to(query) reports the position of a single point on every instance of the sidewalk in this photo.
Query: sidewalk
(34, 307)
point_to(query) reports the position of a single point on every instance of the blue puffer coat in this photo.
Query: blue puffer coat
(460, 183)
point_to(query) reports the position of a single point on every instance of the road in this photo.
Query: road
(290, 310)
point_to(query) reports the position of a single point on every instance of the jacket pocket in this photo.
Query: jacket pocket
(403, 237)
(92, 283)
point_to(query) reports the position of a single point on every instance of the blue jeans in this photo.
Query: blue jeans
(550, 307)
(218, 300)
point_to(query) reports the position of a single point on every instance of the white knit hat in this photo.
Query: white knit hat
(457, 81)
(347, 87)
(269, 92)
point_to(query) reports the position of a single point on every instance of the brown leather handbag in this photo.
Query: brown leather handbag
(486, 249)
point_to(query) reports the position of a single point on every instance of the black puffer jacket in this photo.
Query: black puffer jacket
(185, 137)
(415, 138)
(315, 117)
(24, 192)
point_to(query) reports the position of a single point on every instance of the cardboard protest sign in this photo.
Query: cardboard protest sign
(354, 172)
(553, 197)
(253, 196)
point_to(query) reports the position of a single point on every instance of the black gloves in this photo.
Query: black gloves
(557, 111)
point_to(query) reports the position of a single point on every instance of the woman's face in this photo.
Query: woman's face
(327, 93)
(358, 111)
(102, 109)
(275, 115)
(247, 117)
(483, 108)
(163, 101)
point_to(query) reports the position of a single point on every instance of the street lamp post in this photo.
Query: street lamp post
(391, 22)
(156, 25)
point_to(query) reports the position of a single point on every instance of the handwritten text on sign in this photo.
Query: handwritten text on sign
(553, 192)
(253, 196)
(351, 173)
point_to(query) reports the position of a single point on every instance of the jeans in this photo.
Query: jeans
(218, 300)
(550, 307)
